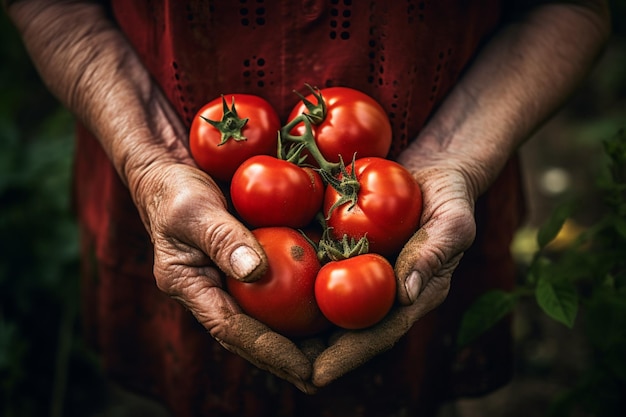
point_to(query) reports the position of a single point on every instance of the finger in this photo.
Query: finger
(419, 266)
(243, 335)
(232, 247)
(197, 215)
(353, 349)
(435, 249)
(269, 351)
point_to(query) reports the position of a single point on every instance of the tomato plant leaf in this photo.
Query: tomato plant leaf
(486, 311)
(551, 228)
(557, 300)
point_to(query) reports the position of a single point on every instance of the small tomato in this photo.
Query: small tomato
(357, 292)
(221, 138)
(268, 191)
(283, 298)
(353, 122)
(386, 208)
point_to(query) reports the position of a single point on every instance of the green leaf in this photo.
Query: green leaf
(551, 228)
(557, 300)
(486, 311)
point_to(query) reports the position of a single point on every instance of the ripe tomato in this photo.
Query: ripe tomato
(357, 292)
(220, 149)
(283, 298)
(268, 191)
(354, 123)
(387, 209)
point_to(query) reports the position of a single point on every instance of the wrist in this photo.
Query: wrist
(152, 141)
(428, 158)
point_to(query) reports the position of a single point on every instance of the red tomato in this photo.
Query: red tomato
(268, 191)
(283, 298)
(387, 209)
(219, 153)
(354, 123)
(357, 292)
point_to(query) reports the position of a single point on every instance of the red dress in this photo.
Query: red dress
(405, 54)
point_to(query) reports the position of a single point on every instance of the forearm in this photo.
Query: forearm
(93, 71)
(521, 77)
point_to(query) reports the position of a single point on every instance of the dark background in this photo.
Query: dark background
(45, 370)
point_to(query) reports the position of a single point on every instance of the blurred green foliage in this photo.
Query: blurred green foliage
(41, 357)
(586, 278)
(572, 265)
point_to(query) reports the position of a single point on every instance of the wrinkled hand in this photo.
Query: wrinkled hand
(423, 269)
(194, 237)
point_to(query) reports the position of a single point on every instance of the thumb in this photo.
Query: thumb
(191, 212)
(233, 247)
(435, 250)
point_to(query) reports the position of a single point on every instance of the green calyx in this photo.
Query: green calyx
(231, 124)
(316, 113)
(337, 250)
(347, 186)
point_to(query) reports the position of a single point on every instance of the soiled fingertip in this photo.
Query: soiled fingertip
(305, 387)
(244, 262)
(413, 285)
(321, 379)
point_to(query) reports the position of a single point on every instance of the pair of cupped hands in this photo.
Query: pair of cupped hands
(197, 241)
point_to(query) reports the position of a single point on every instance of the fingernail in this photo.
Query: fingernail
(296, 380)
(244, 260)
(413, 285)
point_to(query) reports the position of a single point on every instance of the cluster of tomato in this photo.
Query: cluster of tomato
(321, 198)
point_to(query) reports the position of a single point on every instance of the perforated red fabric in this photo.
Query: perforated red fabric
(407, 55)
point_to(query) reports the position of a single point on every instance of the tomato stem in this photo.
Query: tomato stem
(231, 124)
(347, 186)
(315, 114)
(292, 153)
(308, 142)
(334, 174)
